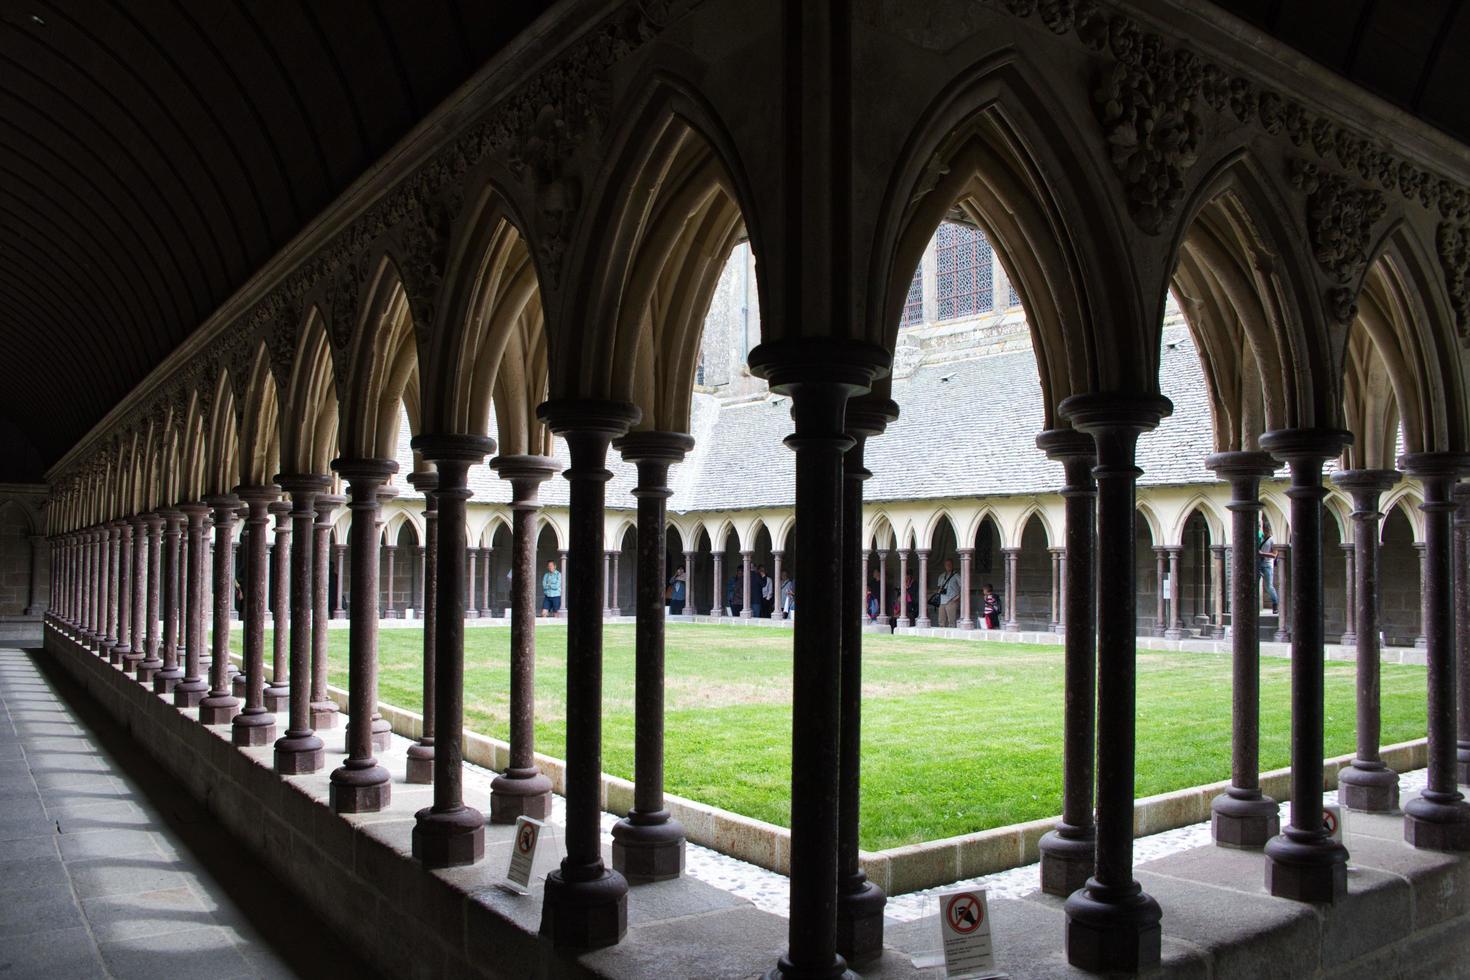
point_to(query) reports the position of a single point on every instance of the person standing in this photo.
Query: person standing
(1266, 562)
(989, 607)
(551, 591)
(875, 599)
(788, 596)
(949, 596)
(910, 598)
(678, 589)
(768, 593)
(734, 601)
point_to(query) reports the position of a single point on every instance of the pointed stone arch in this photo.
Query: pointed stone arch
(383, 369)
(310, 422)
(260, 428)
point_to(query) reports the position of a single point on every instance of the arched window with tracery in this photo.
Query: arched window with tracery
(966, 274)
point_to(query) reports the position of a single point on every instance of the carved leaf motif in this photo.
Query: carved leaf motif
(1153, 135)
(1340, 219)
(1453, 244)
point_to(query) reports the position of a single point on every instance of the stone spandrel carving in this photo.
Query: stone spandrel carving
(1453, 244)
(1340, 219)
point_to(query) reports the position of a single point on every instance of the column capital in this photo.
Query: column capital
(869, 415)
(281, 511)
(1064, 444)
(1366, 481)
(303, 483)
(325, 503)
(194, 508)
(1243, 464)
(788, 364)
(374, 471)
(223, 504)
(965, 553)
(1435, 465)
(608, 417)
(667, 448)
(1291, 445)
(1097, 412)
(451, 447)
(425, 482)
(262, 495)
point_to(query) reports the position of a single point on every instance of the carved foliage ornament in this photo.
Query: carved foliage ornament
(1452, 241)
(1340, 219)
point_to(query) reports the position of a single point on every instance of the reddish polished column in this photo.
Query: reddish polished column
(717, 591)
(922, 590)
(1112, 925)
(585, 903)
(108, 625)
(1069, 853)
(171, 672)
(745, 584)
(338, 610)
(1439, 818)
(903, 598)
(1176, 595)
(361, 785)
(1304, 863)
(138, 586)
(1284, 587)
(967, 557)
(777, 603)
(1462, 630)
(1161, 599)
(255, 724)
(192, 686)
(1349, 635)
(219, 705)
(152, 661)
(1367, 783)
(324, 710)
(472, 591)
(300, 749)
(390, 610)
(1218, 587)
(278, 686)
(449, 833)
(522, 789)
(421, 753)
(120, 574)
(1013, 589)
(616, 606)
(648, 843)
(860, 902)
(1056, 589)
(1243, 816)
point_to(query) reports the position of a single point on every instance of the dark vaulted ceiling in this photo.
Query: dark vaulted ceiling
(155, 153)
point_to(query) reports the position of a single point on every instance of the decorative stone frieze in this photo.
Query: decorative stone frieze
(1340, 219)
(1452, 242)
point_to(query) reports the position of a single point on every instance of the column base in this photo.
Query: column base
(1438, 823)
(167, 679)
(1462, 763)
(237, 686)
(1113, 930)
(784, 970)
(1348, 640)
(903, 623)
(420, 764)
(253, 727)
(921, 623)
(114, 653)
(278, 698)
(360, 786)
(1011, 627)
(448, 839)
(966, 624)
(391, 614)
(340, 614)
(1281, 636)
(298, 753)
(860, 923)
(520, 793)
(382, 733)
(1368, 786)
(324, 715)
(218, 709)
(585, 914)
(1313, 869)
(145, 670)
(1175, 634)
(648, 847)
(188, 694)
(1244, 818)
(1067, 861)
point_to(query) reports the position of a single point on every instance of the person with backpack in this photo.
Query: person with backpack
(990, 608)
(768, 592)
(1266, 562)
(677, 591)
(949, 596)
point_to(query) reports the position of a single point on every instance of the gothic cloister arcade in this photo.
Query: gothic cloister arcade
(478, 364)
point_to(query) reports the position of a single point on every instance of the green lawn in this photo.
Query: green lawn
(957, 736)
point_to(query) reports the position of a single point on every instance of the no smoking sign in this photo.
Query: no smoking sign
(964, 926)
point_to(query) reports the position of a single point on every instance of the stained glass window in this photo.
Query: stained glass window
(1013, 298)
(913, 306)
(966, 276)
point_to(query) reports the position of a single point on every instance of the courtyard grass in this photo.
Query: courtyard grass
(958, 736)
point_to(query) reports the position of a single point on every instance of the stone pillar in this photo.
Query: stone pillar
(606, 583)
(1367, 784)
(338, 611)
(1350, 600)
(1243, 816)
(1284, 587)
(860, 902)
(523, 789)
(360, 785)
(1176, 629)
(967, 620)
(473, 612)
(1056, 589)
(1069, 853)
(819, 377)
(777, 603)
(903, 600)
(419, 573)
(745, 583)
(585, 903)
(1439, 818)
(1112, 925)
(922, 592)
(421, 753)
(324, 711)
(255, 724)
(278, 687)
(219, 705)
(97, 617)
(1462, 630)
(1161, 567)
(300, 750)
(192, 686)
(108, 620)
(390, 609)
(448, 833)
(138, 585)
(1217, 588)
(690, 609)
(717, 601)
(1012, 622)
(170, 672)
(1421, 642)
(648, 844)
(1304, 863)
(152, 661)
(564, 583)
(882, 588)
(617, 576)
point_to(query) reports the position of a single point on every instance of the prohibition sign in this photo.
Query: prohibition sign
(1329, 822)
(963, 913)
(526, 839)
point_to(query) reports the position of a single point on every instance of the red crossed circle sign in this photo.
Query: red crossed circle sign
(523, 842)
(1329, 821)
(963, 913)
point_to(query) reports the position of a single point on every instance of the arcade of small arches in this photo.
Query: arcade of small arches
(542, 316)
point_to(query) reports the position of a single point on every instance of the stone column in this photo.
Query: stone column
(34, 606)
(777, 612)
(606, 575)
(324, 711)
(255, 724)
(903, 599)
(1112, 925)
(1420, 641)
(1304, 863)
(122, 572)
(107, 627)
(564, 583)
(390, 609)
(1284, 587)
(98, 618)
(717, 606)
(1056, 589)
(360, 785)
(1012, 622)
(616, 606)
(648, 844)
(338, 611)
(1217, 588)
(585, 903)
(219, 705)
(967, 620)
(1462, 630)
(923, 590)
(419, 572)
(523, 789)
(471, 558)
(745, 583)
(1439, 818)
(192, 686)
(170, 673)
(152, 661)
(1350, 601)
(278, 687)
(448, 833)
(1161, 566)
(860, 902)
(421, 753)
(1069, 853)
(1176, 629)
(138, 585)
(819, 377)
(690, 610)
(1243, 816)
(882, 588)
(300, 750)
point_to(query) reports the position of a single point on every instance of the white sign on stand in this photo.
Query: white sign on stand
(964, 931)
(1332, 821)
(523, 855)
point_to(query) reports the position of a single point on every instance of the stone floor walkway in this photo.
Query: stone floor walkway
(107, 869)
